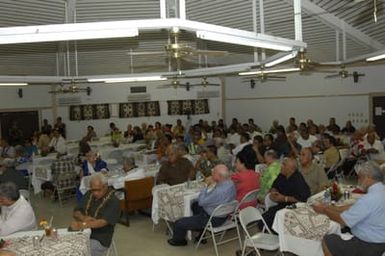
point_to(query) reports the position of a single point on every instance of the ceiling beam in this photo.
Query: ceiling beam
(339, 24)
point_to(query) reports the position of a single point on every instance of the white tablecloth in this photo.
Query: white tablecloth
(173, 202)
(117, 179)
(302, 234)
(41, 170)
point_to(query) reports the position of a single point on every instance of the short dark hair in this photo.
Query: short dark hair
(9, 190)
(258, 138)
(248, 157)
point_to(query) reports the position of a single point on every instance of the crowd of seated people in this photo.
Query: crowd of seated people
(295, 159)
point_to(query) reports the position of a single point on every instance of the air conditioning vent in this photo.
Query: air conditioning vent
(207, 94)
(69, 101)
(138, 89)
(139, 97)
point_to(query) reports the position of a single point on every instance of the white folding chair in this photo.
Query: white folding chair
(112, 251)
(265, 241)
(251, 196)
(220, 211)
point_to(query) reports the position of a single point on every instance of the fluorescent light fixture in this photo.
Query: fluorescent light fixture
(269, 71)
(240, 40)
(12, 84)
(378, 57)
(128, 79)
(281, 59)
(65, 32)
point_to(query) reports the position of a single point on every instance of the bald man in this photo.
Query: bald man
(219, 190)
(314, 175)
(288, 188)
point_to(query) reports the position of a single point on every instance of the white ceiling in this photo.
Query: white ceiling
(110, 56)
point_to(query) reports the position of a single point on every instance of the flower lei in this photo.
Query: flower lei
(105, 199)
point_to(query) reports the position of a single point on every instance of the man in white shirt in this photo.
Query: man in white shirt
(305, 139)
(374, 148)
(16, 212)
(7, 151)
(58, 143)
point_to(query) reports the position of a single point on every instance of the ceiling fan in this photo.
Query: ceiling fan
(205, 83)
(263, 77)
(307, 66)
(71, 86)
(343, 73)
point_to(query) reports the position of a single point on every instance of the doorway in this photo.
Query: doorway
(18, 126)
(378, 114)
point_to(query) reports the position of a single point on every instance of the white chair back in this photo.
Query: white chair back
(24, 193)
(268, 202)
(224, 209)
(252, 196)
(251, 215)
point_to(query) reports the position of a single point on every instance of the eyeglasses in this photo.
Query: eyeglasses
(96, 190)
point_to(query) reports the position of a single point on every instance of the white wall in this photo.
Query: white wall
(304, 97)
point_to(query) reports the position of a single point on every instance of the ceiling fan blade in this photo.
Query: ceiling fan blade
(210, 52)
(146, 53)
(279, 77)
(333, 76)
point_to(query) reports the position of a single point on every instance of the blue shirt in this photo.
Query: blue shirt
(366, 218)
(223, 192)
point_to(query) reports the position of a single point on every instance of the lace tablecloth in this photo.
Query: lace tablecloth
(173, 202)
(301, 230)
(74, 244)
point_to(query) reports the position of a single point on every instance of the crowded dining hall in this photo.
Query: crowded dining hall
(191, 127)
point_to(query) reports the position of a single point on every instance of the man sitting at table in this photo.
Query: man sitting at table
(92, 164)
(219, 190)
(314, 175)
(16, 213)
(176, 170)
(57, 143)
(288, 188)
(99, 211)
(365, 217)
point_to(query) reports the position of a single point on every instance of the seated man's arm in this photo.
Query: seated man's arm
(332, 212)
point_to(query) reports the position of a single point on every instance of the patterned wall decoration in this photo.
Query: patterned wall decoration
(139, 109)
(193, 107)
(89, 112)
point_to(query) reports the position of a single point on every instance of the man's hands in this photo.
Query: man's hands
(320, 208)
(76, 225)
(277, 197)
(78, 216)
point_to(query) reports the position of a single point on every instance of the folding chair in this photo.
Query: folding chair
(112, 251)
(250, 197)
(220, 211)
(265, 241)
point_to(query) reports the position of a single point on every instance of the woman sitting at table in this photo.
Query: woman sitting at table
(92, 164)
(245, 179)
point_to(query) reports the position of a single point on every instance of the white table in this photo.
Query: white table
(68, 243)
(301, 231)
(172, 202)
(41, 170)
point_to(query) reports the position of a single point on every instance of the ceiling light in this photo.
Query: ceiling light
(269, 71)
(281, 59)
(378, 57)
(248, 41)
(12, 84)
(128, 79)
(65, 32)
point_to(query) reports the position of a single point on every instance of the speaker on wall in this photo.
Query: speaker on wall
(20, 93)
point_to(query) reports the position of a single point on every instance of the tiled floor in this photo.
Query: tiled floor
(138, 239)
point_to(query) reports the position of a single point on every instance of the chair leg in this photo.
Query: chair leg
(214, 241)
(239, 236)
(244, 249)
(201, 237)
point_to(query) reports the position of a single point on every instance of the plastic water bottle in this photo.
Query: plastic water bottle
(198, 176)
(327, 197)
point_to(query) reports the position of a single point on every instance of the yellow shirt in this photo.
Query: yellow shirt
(332, 156)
